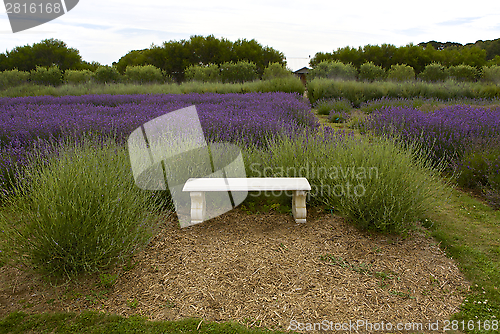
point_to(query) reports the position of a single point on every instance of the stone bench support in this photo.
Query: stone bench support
(197, 188)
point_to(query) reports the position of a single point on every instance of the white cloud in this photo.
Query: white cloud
(104, 31)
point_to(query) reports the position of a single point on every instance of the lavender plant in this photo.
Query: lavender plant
(465, 138)
(377, 185)
(448, 132)
(244, 118)
(326, 106)
(77, 212)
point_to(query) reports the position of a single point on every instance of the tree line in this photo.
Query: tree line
(479, 54)
(173, 58)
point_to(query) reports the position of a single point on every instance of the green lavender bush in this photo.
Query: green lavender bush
(77, 212)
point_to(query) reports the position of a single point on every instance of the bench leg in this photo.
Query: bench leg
(198, 207)
(299, 206)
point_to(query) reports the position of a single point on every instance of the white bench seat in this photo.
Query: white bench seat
(198, 186)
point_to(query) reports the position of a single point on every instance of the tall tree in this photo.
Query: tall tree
(175, 56)
(48, 52)
(133, 58)
(416, 56)
(209, 50)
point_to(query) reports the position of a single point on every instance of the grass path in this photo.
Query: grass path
(469, 232)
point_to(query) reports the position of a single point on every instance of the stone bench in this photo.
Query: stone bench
(198, 186)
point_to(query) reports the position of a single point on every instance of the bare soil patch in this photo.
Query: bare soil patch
(263, 270)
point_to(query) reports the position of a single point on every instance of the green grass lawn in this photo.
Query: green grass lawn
(469, 232)
(95, 322)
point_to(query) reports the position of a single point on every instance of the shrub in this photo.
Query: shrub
(333, 70)
(377, 185)
(13, 78)
(401, 192)
(463, 73)
(325, 107)
(276, 70)
(434, 72)
(291, 84)
(479, 169)
(79, 211)
(355, 92)
(401, 73)
(338, 116)
(359, 92)
(78, 77)
(491, 74)
(46, 76)
(143, 74)
(371, 72)
(371, 106)
(238, 72)
(106, 74)
(356, 122)
(208, 73)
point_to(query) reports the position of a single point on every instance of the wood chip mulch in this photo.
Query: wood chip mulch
(264, 270)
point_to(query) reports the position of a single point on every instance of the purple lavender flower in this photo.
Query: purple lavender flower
(240, 118)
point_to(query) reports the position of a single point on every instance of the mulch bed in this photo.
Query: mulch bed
(264, 270)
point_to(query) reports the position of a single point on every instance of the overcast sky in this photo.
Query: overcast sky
(104, 31)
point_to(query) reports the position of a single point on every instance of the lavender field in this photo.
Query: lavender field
(229, 116)
(244, 118)
(448, 132)
(465, 138)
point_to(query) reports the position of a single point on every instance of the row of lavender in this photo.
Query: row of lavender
(224, 117)
(466, 138)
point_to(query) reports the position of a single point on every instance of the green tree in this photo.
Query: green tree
(494, 61)
(174, 57)
(133, 58)
(474, 56)
(253, 52)
(416, 56)
(276, 70)
(141, 74)
(412, 55)
(434, 72)
(371, 72)
(202, 73)
(320, 57)
(92, 66)
(76, 77)
(401, 72)
(106, 74)
(209, 50)
(350, 55)
(238, 72)
(177, 57)
(3, 62)
(380, 55)
(463, 72)
(13, 78)
(334, 70)
(46, 76)
(47, 53)
(491, 74)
